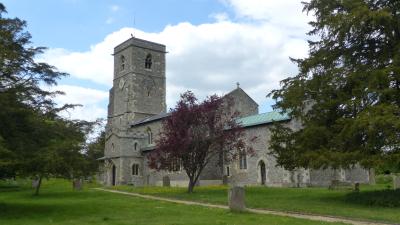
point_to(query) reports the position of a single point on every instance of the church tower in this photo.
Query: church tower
(139, 82)
(138, 92)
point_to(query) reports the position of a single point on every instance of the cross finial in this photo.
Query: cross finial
(238, 84)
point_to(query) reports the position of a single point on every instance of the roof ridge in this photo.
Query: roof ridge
(259, 114)
(241, 89)
(263, 118)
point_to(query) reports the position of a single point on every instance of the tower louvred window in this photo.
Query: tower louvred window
(122, 61)
(148, 62)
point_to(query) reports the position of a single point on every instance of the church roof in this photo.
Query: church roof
(151, 119)
(263, 118)
(248, 121)
(239, 90)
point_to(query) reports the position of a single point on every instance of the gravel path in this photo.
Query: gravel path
(259, 211)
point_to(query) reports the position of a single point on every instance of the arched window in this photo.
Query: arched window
(122, 62)
(135, 169)
(112, 147)
(135, 146)
(148, 62)
(242, 160)
(149, 137)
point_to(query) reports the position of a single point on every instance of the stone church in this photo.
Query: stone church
(137, 106)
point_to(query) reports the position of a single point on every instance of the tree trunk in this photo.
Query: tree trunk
(191, 186)
(371, 173)
(38, 186)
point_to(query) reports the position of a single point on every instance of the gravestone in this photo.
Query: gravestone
(35, 183)
(166, 181)
(236, 199)
(396, 182)
(371, 173)
(77, 184)
(357, 187)
(334, 184)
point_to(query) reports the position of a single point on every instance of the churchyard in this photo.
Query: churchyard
(58, 204)
(374, 202)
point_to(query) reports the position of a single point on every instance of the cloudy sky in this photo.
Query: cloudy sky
(212, 44)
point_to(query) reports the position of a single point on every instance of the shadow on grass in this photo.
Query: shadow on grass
(28, 206)
(16, 210)
(9, 188)
(383, 198)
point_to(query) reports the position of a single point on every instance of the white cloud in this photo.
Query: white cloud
(286, 13)
(210, 58)
(219, 17)
(109, 20)
(90, 99)
(114, 8)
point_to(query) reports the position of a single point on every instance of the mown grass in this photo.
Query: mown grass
(304, 200)
(58, 204)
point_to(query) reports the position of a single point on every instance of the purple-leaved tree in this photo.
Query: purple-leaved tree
(196, 133)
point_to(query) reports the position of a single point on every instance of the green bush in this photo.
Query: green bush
(384, 198)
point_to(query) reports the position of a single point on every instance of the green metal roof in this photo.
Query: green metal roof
(263, 118)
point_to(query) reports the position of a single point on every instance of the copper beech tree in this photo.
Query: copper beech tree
(196, 133)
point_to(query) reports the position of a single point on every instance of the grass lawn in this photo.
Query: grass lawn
(306, 200)
(57, 204)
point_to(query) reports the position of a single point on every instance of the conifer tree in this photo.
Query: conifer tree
(34, 140)
(347, 91)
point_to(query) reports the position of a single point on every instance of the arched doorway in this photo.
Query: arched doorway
(263, 177)
(113, 175)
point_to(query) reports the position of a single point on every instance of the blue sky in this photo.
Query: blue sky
(76, 24)
(212, 44)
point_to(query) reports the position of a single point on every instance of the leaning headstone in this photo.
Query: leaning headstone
(35, 183)
(396, 182)
(77, 184)
(357, 187)
(236, 199)
(166, 181)
(371, 173)
(334, 184)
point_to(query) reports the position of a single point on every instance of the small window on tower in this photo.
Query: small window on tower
(148, 62)
(122, 62)
(135, 146)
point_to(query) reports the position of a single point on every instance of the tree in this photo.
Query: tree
(94, 151)
(347, 92)
(34, 140)
(19, 72)
(195, 134)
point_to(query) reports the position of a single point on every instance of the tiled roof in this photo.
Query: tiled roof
(247, 121)
(263, 118)
(150, 119)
